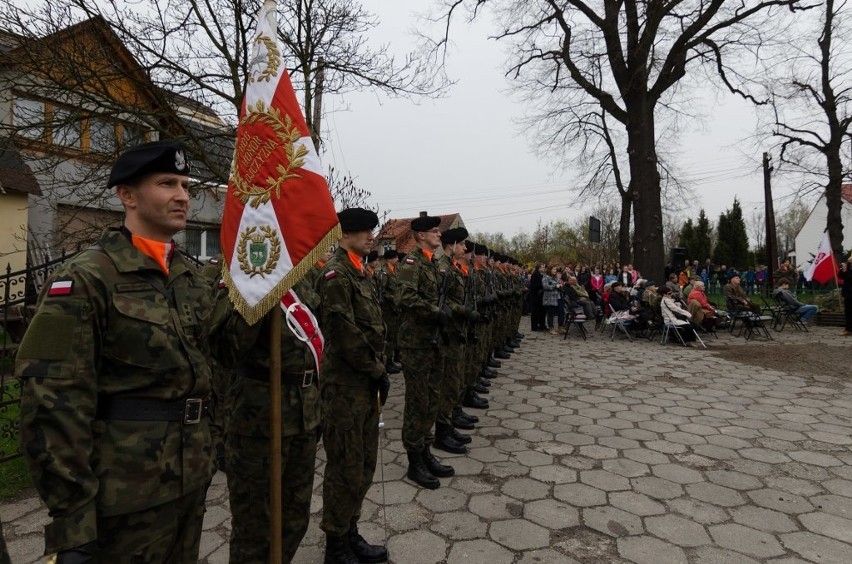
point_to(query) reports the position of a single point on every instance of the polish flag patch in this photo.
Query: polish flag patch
(330, 274)
(61, 288)
(409, 261)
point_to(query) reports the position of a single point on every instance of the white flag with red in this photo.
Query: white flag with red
(823, 268)
(279, 215)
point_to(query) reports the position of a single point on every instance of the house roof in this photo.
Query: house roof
(846, 193)
(15, 175)
(399, 230)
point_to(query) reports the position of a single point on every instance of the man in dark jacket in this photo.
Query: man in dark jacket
(846, 275)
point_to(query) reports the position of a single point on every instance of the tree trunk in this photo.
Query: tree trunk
(648, 247)
(833, 200)
(624, 227)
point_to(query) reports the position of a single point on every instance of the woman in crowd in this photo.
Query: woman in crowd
(550, 299)
(675, 315)
(611, 276)
(703, 313)
(536, 291)
(596, 284)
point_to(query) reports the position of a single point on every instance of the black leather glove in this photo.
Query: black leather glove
(83, 554)
(473, 315)
(383, 387)
(443, 318)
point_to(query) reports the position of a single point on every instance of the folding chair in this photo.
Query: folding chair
(574, 315)
(787, 314)
(620, 322)
(669, 328)
(752, 323)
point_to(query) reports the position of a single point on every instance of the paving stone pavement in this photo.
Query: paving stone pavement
(605, 452)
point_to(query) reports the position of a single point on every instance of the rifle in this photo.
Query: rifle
(470, 296)
(442, 304)
(382, 275)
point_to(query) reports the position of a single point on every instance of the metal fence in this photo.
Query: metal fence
(18, 292)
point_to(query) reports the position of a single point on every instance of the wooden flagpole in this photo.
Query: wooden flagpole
(275, 462)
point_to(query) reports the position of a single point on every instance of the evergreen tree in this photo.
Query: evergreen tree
(687, 240)
(732, 248)
(703, 238)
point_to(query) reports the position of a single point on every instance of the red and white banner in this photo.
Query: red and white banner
(823, 268)
(279, 215)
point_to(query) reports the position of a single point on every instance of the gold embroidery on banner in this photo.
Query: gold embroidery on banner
(258, 252)
(273, 60)
(252, 151)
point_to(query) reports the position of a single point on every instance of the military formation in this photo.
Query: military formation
(140, 379)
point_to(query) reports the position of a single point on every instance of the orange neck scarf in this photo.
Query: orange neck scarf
(428, 254)
(463, 267)
(160, 252)
(356, 261)
(391, 268)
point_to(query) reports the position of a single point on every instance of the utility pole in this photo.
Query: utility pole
(317, 113)
(771, 241)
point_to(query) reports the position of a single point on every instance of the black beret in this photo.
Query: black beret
(499, 257)
(357, 219)
(373, 256)
(468, 246)
(454, 235)
(390, 254)
(480, 250)
(157, 156)
(401, 256)
(425, 223)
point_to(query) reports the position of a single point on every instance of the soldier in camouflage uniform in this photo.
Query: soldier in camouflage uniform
(354, 381)
(116, 382)
(472, 362)
(421, 323)
(453, 381)
(387, 290)
(485, 308)
(248, 460)
(4, 554)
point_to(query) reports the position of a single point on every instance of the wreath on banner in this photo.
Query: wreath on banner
(248, 149)
(252, 235)
(273, 60)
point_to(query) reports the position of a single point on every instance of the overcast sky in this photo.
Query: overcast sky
(465, 153)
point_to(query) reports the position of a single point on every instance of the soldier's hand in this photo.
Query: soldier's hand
(473, 315)
(383, 385)
(82, 554)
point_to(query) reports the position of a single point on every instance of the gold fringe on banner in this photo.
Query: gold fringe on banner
(254, 314)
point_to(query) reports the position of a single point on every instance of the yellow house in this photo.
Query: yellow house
(17, 182)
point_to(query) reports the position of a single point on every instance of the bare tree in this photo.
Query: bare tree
(630, 56)
(811, 109)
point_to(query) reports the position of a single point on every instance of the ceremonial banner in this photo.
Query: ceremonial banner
(279, 215)
(823, 268)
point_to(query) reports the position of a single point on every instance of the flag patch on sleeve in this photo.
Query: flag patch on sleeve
(409, 261)
(330, 274)
(61, 288)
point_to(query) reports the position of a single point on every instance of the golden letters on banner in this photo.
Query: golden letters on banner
(258, 251)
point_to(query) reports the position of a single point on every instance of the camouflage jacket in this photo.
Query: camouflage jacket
(386, 288)
(417, 300)
(250, 411)
(455, 294)
(113, 335)
(351, 321)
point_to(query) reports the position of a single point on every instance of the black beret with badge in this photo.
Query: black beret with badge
(390, 254)
(373, 256)
(425, 223)
(480, 250)
(357, 219)
(468, 246)
(456, 235)
(148, 158)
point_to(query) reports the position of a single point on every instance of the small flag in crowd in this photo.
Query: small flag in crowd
(823, 268)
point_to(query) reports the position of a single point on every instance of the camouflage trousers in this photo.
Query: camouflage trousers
(423, 371)
(169, 532)
(452, 381)
(392, 326)
(351, 438)
(4, 554)
(473, 357)
(248, 466)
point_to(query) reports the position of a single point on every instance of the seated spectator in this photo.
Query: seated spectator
(703, 312)
(806, 312)
(577, 293)
(672, 285)
(618, 299)
(688, 288)
(675, 315)
(650, 303)
(737, 296)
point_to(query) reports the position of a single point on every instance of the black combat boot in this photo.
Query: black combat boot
(484, 381)
(434, 466)
(514, 343)
(519, 335)
(493, 362)
(364, 551)
(460, 422)
(394, 368)
(444, 440)
(488, 373)
(460, 438)
(472, 400)
(501, 354)
(419, 474)
(479, 388)
(468, 416)
(338, 551)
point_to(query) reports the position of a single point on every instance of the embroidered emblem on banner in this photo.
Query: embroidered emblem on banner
(259, 250)
(268, 62)
(266, 135)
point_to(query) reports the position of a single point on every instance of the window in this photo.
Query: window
(131, 135)
(28, 115)
(67, 129)
(101, 136)
(202, 243)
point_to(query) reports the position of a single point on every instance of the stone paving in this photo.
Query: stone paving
(606, 452)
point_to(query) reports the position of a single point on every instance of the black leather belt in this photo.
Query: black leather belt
(261, 374)
(190, 411)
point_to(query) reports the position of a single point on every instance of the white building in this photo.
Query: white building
(810, 236)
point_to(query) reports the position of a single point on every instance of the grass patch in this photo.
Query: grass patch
(14, 477)
(13, 473)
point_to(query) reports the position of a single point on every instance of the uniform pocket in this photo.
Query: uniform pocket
(152, 311)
